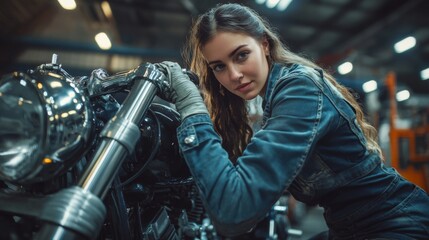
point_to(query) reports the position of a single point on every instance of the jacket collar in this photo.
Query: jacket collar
(272, 79)
(277, 72)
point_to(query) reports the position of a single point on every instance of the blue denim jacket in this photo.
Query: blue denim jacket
(310, 144)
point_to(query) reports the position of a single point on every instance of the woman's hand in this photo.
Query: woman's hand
(182, 91)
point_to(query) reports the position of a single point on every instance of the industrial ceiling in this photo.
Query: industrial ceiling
(327, 31)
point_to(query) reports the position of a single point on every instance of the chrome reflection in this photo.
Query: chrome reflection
(44, 126)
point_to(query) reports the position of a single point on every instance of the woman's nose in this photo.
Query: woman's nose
(235, 73)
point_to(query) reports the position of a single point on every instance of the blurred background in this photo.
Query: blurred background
(379, 49)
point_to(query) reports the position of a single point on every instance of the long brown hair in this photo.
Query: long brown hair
(228, 111)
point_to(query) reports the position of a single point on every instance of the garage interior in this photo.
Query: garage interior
(392, 86)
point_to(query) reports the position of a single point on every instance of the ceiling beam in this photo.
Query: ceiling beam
(57, 44)
(361, 40)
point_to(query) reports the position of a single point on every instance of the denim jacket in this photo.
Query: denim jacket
(309, 144)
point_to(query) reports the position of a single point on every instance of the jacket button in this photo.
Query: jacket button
(190, 139)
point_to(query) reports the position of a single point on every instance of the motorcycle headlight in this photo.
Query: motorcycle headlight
(45, 126)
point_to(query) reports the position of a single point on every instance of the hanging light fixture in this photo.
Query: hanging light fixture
(107, 10)
(424, 74)
(402, 95)
(103, 41)
(67, 4)
(345, 68)
(272, 3)
(405, 44)
(280, 5)
(369, 86)
(283, 4)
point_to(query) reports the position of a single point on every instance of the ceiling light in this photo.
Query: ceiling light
(424, 74)
(105, 6)
(103, 41)
(369, 86)
(283, 4)
(345, 68)
(272, 3)
(402, 95)
(405, 44)
(68, 4)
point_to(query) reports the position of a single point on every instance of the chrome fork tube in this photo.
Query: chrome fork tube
(119, 138)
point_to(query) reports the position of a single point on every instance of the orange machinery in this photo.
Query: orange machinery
(409, 147)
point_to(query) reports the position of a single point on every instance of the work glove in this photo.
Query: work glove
(182, 91)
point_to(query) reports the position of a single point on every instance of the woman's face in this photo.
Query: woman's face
(239, 63)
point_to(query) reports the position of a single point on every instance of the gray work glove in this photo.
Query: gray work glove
(182, 92)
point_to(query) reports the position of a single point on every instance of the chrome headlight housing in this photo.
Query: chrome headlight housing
(45, 126)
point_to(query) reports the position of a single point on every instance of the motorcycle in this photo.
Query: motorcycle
(94, 157)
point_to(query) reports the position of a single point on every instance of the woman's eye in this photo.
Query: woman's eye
(218, 68)
(242, 56)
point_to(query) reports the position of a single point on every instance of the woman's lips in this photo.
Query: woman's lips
(243, 87)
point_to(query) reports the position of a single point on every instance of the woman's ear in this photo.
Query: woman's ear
(266, 46)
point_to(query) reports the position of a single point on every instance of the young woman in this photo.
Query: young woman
(313, 142)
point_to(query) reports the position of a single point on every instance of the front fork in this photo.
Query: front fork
(118, 140)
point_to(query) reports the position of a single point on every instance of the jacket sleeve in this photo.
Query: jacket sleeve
(237, 197)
